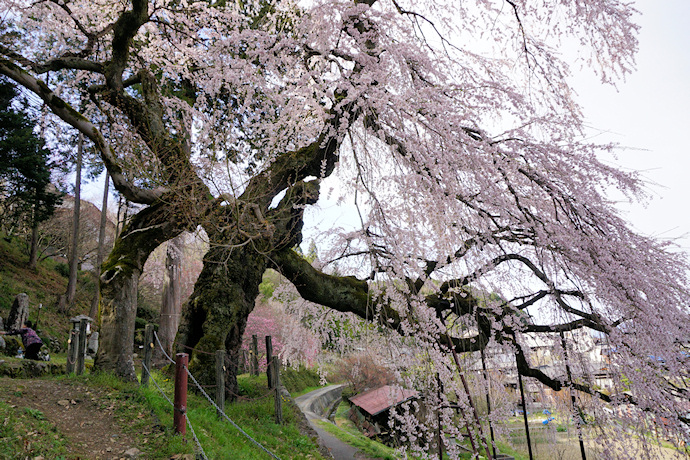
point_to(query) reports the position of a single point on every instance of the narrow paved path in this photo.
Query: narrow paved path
(310, 404)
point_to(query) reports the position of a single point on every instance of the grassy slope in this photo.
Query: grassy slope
(147, 416)
(253, 413)
(43, 286)
(219, 439)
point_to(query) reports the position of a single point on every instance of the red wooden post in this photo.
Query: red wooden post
(180, 409)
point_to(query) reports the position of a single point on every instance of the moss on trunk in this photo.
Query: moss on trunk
(216, 314)
(119, 284)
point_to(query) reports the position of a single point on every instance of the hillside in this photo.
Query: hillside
(43, 286)
(98, 416)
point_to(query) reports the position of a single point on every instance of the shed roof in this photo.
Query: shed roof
(378, 400)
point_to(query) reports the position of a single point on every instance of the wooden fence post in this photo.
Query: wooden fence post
(81, 350)
(72, 346)
(180, 406)
(276, 388)
(255, 355)
(220, 382)
(148, 352)
(242, 367)
(269, 361)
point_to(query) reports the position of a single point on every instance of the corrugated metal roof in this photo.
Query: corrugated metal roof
(377, 400)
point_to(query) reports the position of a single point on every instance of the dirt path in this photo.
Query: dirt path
(84, 417)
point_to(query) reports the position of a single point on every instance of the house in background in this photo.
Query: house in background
(371, 409)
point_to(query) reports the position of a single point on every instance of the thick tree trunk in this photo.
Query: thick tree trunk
(216, 315)
(171, 303)
(117, 324)
(74, 246)
(119, 283)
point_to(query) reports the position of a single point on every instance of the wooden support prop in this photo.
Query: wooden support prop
(269, 361)
(81, 350)
(148, 352)
(488, 404)
(524, 413)
(576, 412)
(485, 444)
(255, 355)
(220, 382)
(242, 368)
(438, 419)
(276, 389)
(180, 405)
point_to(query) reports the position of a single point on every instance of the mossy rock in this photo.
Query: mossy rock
(52, 343)
(27, 368)
(12, 345)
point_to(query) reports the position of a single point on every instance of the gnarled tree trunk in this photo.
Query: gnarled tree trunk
(119, 283)
(216, 315)
(171, 303)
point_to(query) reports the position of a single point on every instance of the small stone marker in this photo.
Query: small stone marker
(92, 347)
(19, 312)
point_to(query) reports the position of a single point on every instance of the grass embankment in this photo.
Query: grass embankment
(27, 430)
(147, 416)
(43, 285)
(253, 412)
(347, 432)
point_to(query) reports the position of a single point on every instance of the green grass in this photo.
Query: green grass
(147, 416)
(43, 286)
(297, 380)
(358, 440)
(255, 415)
(26, 433)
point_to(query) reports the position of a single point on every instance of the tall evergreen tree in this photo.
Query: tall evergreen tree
(24, 167)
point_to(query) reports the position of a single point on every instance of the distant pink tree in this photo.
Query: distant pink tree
(291, 340)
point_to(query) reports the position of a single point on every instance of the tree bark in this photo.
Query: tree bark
(216, 315)
(119, 283)
(93, 312)
(171, 302)
(74, 246)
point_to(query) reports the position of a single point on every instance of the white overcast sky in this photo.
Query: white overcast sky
(649, 114)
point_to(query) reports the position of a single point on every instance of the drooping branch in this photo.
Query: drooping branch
(565, 327)
(72, 117)
(348, 294)
(526, 370)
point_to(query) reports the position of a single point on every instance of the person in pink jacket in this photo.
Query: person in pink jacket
(32, 342)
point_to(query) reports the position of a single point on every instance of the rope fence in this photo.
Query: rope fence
(189, 423)
(219, 410)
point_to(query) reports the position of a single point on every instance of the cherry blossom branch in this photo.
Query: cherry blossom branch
(124, 30)
(71, 63)
(65, 112)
